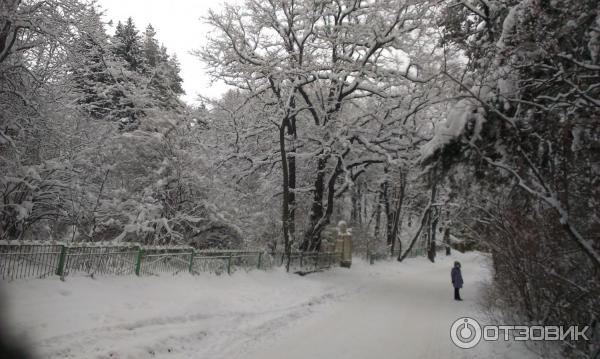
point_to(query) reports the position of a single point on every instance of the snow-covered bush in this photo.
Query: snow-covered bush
(534, 156)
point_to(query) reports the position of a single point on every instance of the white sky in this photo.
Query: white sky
(179, 28)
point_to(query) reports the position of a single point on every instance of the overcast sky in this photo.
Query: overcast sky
(179, 28)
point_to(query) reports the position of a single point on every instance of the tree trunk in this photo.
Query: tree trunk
(397, 214)
(285, 198)
(402, 256)
(359, 204)
(378, 202)
(316, 245)
(292, 183)
(354, 212)
(389, 220)
(8, 30)
(432, 220)
(316, 212)
(447, 240)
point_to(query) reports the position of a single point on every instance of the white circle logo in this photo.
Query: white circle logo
(465, 333)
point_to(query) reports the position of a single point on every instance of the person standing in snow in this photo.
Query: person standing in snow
(457, 280)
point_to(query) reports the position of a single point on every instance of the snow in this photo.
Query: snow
(388, 310)
(510, 23)
(594, 42)
(464, 112)
(454, 239)
(481, 26)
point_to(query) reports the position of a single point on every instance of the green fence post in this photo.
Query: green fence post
(229, 264)
(301, 259)
(259, 260)
(61, 261)
(138, 261)
(191, 262)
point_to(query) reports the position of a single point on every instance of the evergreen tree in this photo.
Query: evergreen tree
(127, 45)
(175, 80)
(91, 75)
(151, 48)
(531, 132)
(105, 85)
(122, 77)
(163, 72)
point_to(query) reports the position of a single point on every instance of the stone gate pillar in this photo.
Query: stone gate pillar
(343, 245)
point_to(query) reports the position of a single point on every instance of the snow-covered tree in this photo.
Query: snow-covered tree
(529, 125)
(94, 139)
(316, 67)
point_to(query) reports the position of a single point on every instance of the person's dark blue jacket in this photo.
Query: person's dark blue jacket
(457, 280)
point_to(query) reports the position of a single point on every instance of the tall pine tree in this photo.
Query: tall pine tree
(163, 73)
(127, 45)
(151, 47)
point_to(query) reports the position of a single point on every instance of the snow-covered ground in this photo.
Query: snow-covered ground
(389, 310)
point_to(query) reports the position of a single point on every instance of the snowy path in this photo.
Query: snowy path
(402, 312)
(389, 310)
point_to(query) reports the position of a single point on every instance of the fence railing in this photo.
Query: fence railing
(308, 261)
(20, 261)
(25, 261)
(414, 252)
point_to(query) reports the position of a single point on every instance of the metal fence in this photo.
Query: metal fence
(96, 260)
(414, 252)
(20, 261)
(25, 261)
(307, 261)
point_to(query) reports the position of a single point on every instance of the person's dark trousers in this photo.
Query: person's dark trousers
(457, 294)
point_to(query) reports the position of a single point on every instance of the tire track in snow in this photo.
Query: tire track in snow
(178, 336)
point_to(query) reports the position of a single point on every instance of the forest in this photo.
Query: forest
(429, 124)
